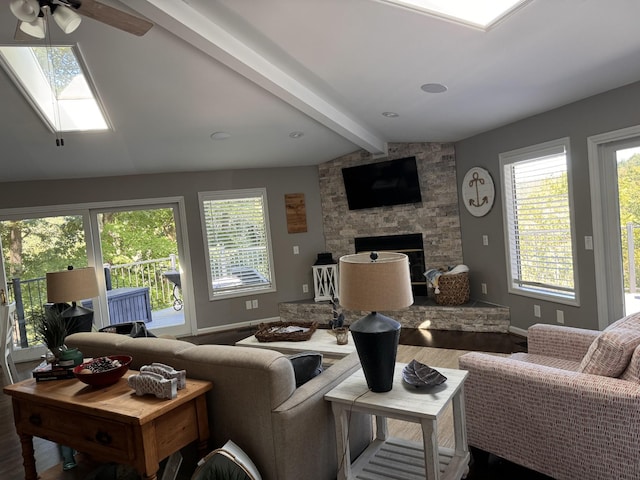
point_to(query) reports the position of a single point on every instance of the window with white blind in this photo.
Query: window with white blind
(237, 241)
(538, 218)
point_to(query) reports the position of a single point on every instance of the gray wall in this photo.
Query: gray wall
(606, 112)
(291, 271)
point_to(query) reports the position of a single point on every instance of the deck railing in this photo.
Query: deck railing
(31, 295)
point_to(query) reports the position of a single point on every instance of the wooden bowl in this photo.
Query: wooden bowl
(103, 378)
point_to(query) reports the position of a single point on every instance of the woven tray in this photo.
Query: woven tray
(285, 331)
(454, 289)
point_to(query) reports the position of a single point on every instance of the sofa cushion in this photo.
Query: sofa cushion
(631, 322)
(610, 352)
(306, 365)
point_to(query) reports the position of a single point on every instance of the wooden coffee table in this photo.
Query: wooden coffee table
(109, 424)
(386, 456)
(322, 341)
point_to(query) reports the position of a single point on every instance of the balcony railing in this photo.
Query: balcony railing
(31, 295)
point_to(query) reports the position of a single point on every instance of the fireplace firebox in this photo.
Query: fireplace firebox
(411, 245)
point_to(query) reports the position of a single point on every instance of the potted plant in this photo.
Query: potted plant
(51, 329)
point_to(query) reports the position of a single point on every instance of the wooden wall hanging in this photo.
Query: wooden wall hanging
(296, 212)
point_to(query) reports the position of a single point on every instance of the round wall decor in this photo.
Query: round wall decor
(478, 191)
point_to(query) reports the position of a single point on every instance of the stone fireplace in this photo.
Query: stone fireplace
(410, 244)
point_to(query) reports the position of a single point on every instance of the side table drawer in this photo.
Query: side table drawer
(89, 434)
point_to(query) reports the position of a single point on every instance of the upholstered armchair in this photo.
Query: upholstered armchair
(569, 408)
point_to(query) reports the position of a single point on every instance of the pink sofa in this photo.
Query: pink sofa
(570, 408)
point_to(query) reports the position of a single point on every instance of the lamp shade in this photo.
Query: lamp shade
(25, 10)
(380, 285)
(36, 29)
(71, 285)
(66, 18)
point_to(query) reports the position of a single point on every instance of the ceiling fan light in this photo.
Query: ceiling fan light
(66, 18)
(34, 29)
(25, 10)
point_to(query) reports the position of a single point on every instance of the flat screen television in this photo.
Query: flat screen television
(392, 182)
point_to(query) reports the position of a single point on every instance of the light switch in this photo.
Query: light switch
(588, 242)
(296, 250)
(485, 240)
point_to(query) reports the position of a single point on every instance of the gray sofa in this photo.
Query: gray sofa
(288, 432)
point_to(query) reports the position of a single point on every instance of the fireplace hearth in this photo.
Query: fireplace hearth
(410, 244)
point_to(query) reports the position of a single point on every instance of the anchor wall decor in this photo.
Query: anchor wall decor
(478, 191)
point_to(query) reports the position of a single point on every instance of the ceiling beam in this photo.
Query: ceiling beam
(221, 44)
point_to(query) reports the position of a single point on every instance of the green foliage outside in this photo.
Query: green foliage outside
(628, 192)
(33, 247)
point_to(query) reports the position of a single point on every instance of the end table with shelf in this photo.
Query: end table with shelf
(386, 457)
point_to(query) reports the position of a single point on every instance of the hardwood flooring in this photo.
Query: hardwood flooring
(47, 452)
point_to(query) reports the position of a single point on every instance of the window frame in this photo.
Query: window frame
(530, 154)
(240, 290)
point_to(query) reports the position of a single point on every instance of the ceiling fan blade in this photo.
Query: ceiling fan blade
(114, 17)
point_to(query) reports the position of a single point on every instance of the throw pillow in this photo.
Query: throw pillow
(609, 354)
(632, 373)
(228, 462)
(631, 322)
(306, 365)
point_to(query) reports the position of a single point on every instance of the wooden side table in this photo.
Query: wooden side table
(389, 457)
(110, 423)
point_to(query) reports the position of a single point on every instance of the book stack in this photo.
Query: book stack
(48, 371)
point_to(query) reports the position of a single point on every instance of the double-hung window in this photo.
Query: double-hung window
(538, 221)
(235, 225)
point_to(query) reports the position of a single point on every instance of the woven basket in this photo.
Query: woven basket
(276, 331)
(454, 289)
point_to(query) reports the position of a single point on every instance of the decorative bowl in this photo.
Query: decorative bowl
(102, 378)
(421, 375)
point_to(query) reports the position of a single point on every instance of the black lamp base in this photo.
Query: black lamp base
(376, 338)
(78, 319)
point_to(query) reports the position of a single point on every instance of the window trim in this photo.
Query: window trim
(231, 194)
(533, 152)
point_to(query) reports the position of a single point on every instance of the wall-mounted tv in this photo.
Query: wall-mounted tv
(393, 182)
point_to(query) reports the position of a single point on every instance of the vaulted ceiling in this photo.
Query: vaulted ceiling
(261, 70)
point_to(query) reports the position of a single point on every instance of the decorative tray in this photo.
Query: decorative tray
(421, 375)
(285, 331)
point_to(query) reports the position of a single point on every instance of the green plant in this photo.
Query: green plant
(51, 329)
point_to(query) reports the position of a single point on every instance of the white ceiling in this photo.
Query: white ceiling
(261, 69)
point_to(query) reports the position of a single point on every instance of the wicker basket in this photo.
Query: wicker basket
(282, 331)
(454, 289)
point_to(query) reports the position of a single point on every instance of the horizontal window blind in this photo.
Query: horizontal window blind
(538, 220)
(237, 241)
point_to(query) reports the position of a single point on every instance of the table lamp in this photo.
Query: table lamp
(72, 285)
(376, 282)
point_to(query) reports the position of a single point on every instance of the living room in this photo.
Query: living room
(588, 112)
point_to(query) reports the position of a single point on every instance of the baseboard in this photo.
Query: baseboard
(517, 331)
(236, 326)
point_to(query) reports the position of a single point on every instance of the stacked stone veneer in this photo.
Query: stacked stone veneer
(437, 217)
(468, 318)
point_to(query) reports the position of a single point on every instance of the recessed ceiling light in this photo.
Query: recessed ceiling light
(390, 114)
(220, 135)
(296, 134)
(434, 88)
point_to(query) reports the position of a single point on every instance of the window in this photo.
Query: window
(53, 80)
(235, 226)
(538, 222)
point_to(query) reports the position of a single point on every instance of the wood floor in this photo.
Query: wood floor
(47, 453)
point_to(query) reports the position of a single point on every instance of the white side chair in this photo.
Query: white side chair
(7, 323)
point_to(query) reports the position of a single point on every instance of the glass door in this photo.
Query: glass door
(31, 247)
(141, 261)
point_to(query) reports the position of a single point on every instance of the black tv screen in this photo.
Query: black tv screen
(393, 182)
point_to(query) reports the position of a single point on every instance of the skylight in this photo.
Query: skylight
(52, 79)
(476, 13)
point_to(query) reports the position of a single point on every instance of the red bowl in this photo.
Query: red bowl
(107, 377)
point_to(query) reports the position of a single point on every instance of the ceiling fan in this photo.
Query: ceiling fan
(66, 13)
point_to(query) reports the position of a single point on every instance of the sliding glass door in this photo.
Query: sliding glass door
(138, 249)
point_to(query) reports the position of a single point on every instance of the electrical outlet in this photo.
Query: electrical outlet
(247, 304)
(536, 311)
(484, 288)
(560, 316)
(305, 288)
(254, 303)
